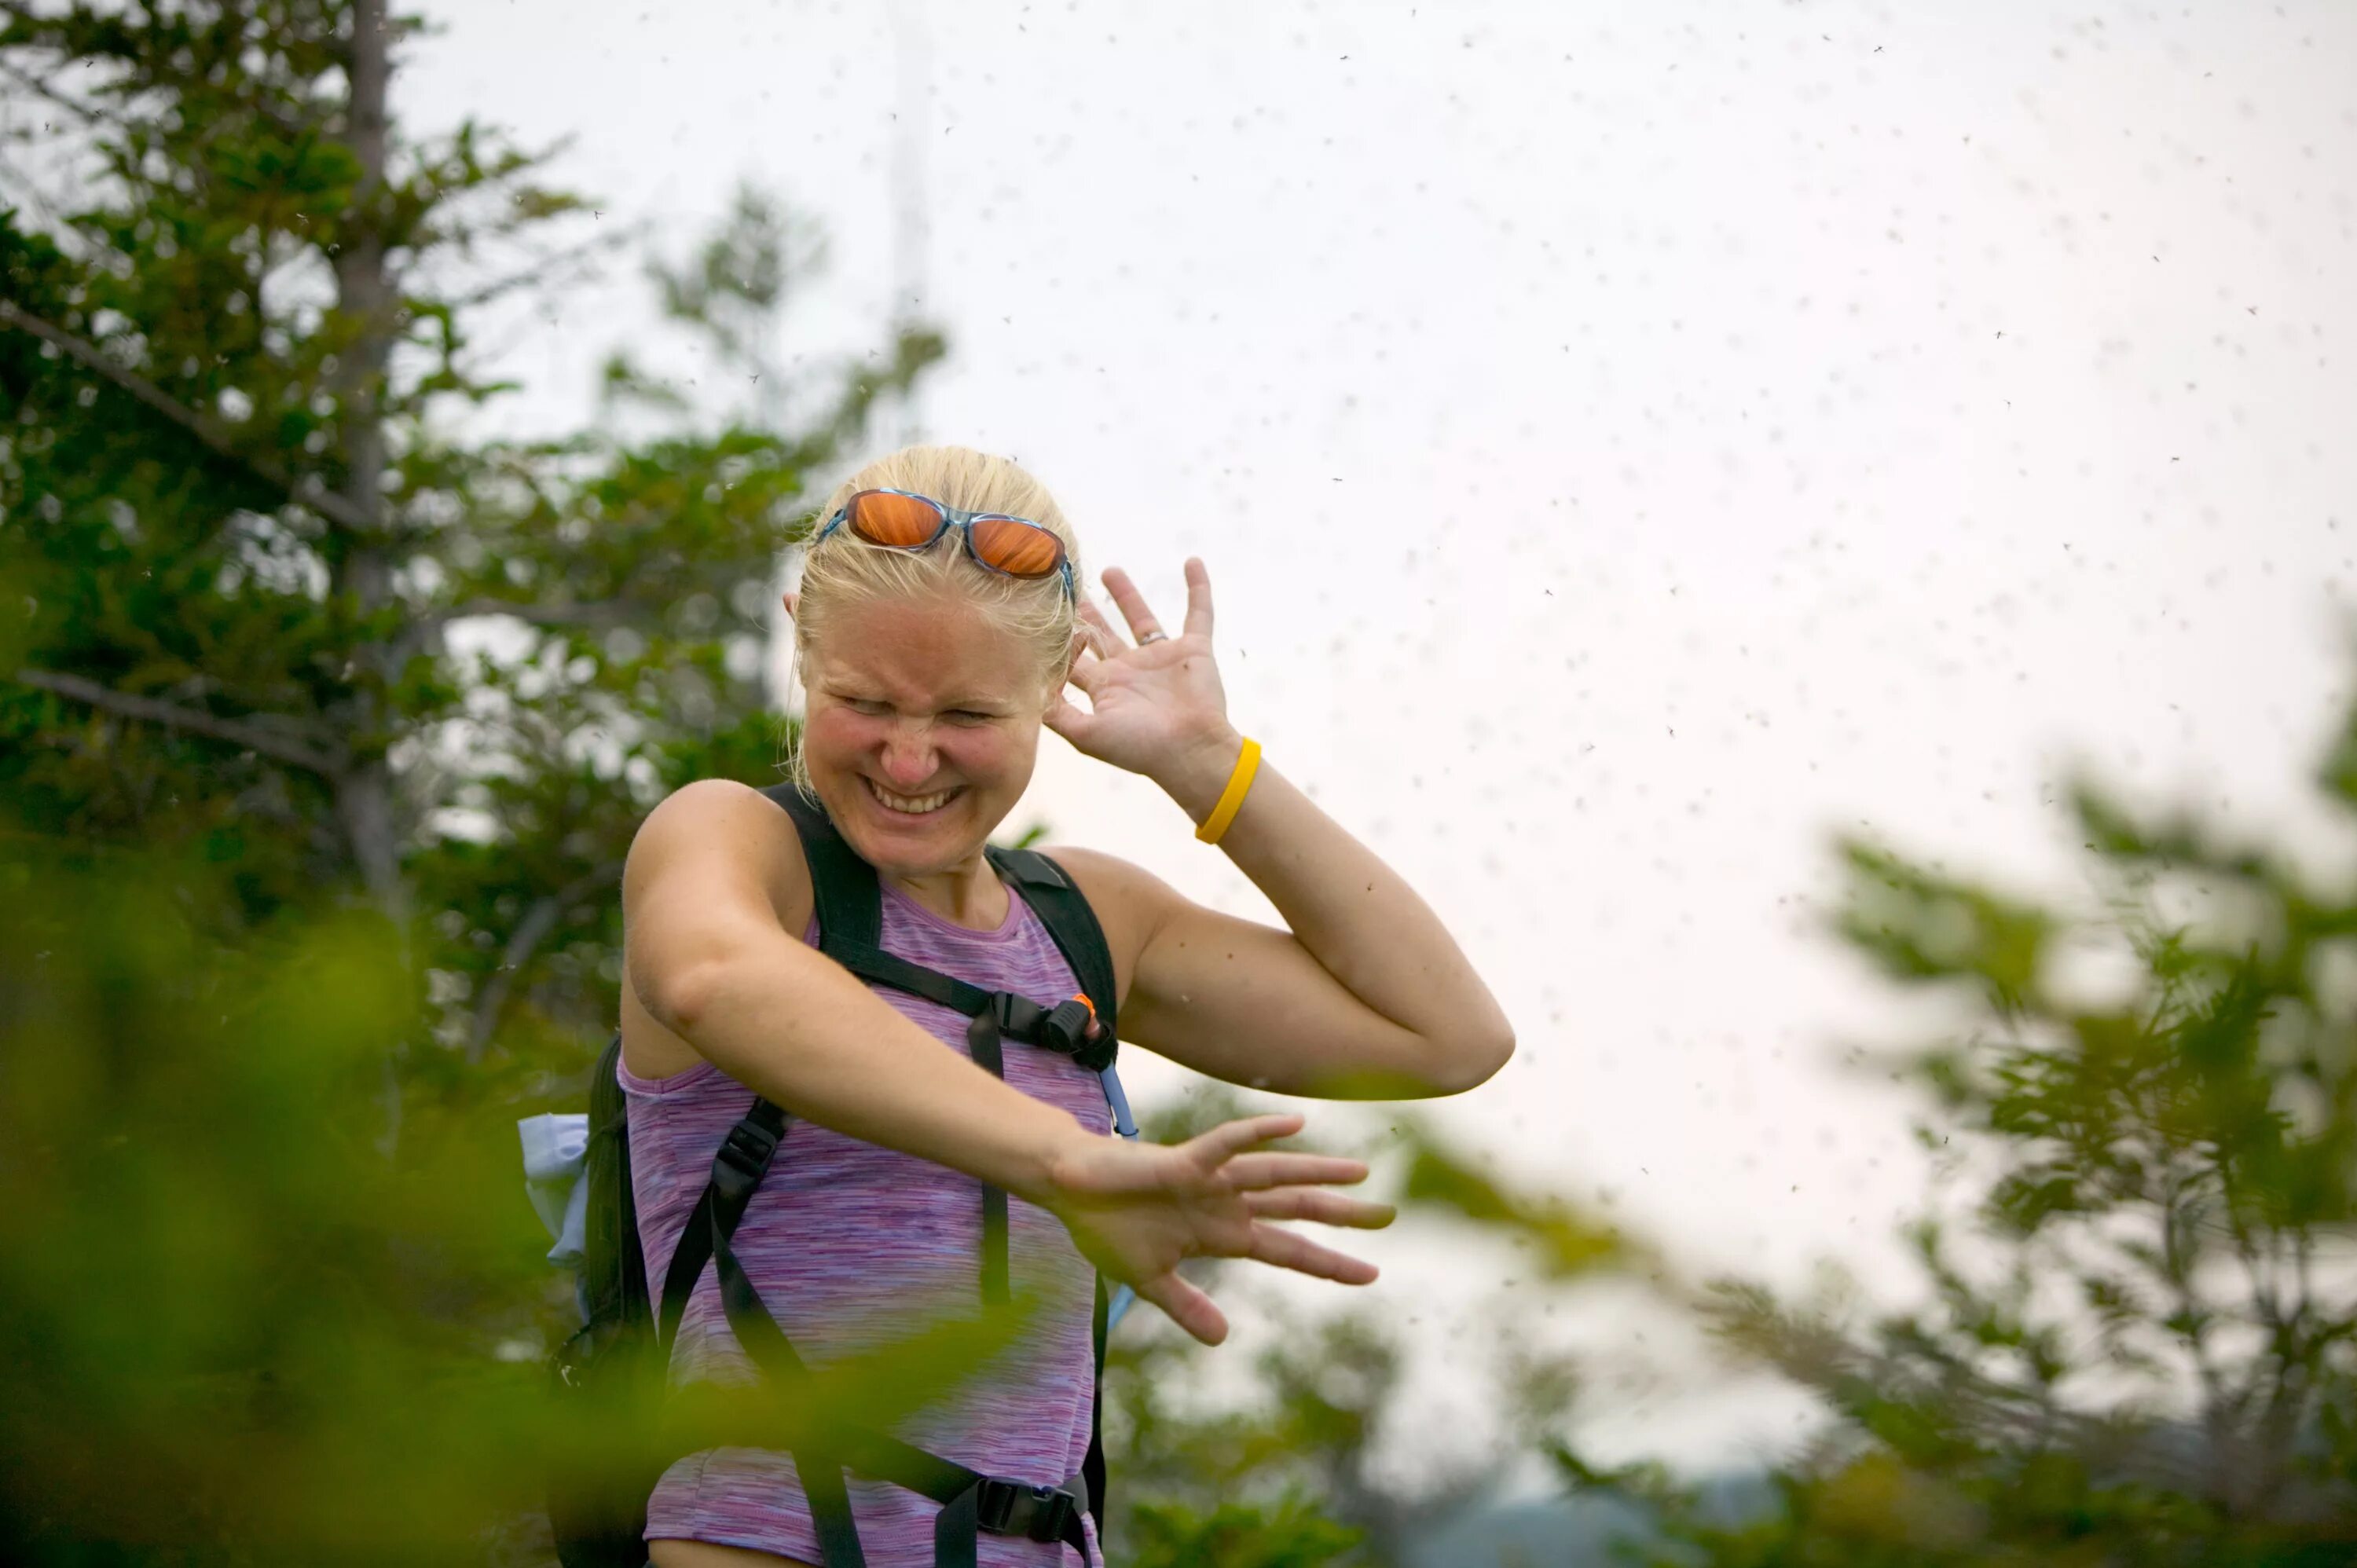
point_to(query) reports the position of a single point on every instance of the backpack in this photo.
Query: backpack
(608, 1373)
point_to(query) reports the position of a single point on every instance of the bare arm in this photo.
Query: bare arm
(1366, 994)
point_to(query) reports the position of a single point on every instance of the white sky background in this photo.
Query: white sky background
(1628, 443)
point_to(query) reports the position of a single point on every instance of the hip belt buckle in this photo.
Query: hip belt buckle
(1011, 1507)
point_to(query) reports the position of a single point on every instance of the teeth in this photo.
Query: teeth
(914, 805)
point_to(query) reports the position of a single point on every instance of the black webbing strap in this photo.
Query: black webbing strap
(1080, 937)
(971, 1501)
(747, 1150)
(982, 1044)
(1065, 1028)
(849, 907)
(1008, 1507)
(744, 1158)
(1065, 911)
(1092, 1468)
(880, 968)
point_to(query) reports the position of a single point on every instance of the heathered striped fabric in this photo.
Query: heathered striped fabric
(851, 1245)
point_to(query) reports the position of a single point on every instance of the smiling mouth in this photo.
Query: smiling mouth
(910, 805)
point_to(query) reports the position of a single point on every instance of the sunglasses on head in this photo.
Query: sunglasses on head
(901, 520)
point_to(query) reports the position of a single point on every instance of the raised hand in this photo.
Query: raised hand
(1157, 705)
(1136, 1210)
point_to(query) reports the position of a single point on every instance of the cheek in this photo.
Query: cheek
(838, 731)
(988, 750)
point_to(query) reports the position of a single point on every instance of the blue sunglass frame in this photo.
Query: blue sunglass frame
(953, 517)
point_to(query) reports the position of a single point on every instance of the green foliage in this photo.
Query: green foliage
(228, 1316)
(266, 604)
(2137, 1346)
(324, 728)
(236, 1331)
(1568, 1243)
(1292, 1534)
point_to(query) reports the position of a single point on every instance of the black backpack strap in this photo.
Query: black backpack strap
(1056, 899)
(850, 907)
(971, 1501)
(743, 1160)
(1092, 1468)
(613, 1266)
(982, 1044)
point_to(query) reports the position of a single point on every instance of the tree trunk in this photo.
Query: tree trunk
(364, 794)
(365, 797)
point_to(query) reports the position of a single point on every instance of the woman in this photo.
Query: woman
(937, 626)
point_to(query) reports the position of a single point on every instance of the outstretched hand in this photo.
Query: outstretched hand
(1136, 1210)
(1154, 703)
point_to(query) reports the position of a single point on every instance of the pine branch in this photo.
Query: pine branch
(603, 614)
(534, 928)
(305, 490)
(90, 114)
(568, 266)
(196, 721)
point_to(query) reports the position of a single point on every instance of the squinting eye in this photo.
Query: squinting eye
(968, 716)
(863, 705)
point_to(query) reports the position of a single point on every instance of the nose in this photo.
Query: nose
(910, 756)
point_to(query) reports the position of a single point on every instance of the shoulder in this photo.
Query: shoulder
(719, 833)
(1130, 902)
(1114, 887)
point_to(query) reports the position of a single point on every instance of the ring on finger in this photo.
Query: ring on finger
(1153, 637)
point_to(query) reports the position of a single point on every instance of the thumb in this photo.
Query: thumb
(1068, 719)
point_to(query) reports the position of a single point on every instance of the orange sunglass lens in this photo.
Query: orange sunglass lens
(1017, 548)
(902, 522)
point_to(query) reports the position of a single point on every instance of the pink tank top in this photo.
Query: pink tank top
(845, 1241)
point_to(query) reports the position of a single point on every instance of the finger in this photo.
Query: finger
(1318, 1204)
(1229, 1139)
(1131, 603)
(1248, 1173)
(1287, 1251)
(1199, 598)
(1187, 1307)
(1104, 640)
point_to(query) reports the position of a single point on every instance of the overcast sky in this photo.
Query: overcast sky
(1629, 444)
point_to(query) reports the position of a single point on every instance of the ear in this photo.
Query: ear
(793, 602)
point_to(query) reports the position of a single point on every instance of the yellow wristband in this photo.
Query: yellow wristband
(1232, 797)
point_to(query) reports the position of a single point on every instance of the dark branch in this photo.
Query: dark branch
(252, 736)
(603, 614)
(88, 113)
(530, 932)
(545, 271)
(305, 490)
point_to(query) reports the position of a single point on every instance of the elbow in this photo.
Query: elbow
(1493, 1053)
(682, 998)
(1470, 1062)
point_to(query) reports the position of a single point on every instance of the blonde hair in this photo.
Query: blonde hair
(843, 570)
